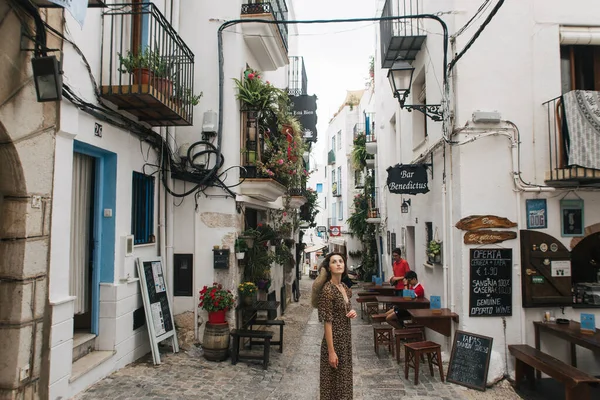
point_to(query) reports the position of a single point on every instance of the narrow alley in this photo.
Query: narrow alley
(291, 375)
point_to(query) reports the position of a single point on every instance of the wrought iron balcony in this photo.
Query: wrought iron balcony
(297, 80)
(147, 69)
(255, 183)
(573, 140)
(401, 38)
(268, 42)
(359, 128)
(331, 157)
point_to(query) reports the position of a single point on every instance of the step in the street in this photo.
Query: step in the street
(83, 344)
(88, 363)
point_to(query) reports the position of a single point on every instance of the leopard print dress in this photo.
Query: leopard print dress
(336, 383)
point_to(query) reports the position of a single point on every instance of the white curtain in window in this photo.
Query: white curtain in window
(579, 35)
(81, 214)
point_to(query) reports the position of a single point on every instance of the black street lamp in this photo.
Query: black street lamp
(47, 78)
(400, 77)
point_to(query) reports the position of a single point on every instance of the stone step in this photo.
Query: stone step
(83, 344)
(88, 363)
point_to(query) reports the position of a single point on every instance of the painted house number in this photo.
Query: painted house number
(97, 129)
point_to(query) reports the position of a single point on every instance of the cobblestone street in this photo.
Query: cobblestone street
(291, 375)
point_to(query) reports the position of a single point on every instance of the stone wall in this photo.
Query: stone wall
(27, 130)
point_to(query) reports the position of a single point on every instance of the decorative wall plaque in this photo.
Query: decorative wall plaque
(484, 221)
(488, 236)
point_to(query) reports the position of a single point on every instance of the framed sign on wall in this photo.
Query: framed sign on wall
(537, 213)
(571, 217)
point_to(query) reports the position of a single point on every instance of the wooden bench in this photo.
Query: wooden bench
(244, 333)
(269, 322)
(528, 359)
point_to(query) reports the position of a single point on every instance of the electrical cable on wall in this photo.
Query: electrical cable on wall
(206, 178)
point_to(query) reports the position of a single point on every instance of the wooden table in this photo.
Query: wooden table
(383, 290)
(570, 332)
(403, 303)
(439, 322)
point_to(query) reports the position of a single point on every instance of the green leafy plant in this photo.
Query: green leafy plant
(254, 93)
(160, 66)
(240, 246)
(434, 248)
(186, 96)
(259, 257)
(215, 298)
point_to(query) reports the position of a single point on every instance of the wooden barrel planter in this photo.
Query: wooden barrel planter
(216, 341)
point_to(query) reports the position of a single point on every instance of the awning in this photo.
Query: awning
(337, 241)
(315, 248)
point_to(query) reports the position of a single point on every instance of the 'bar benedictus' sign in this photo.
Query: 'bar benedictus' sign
(407, 179)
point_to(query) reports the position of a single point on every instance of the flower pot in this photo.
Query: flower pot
(141, 76)
(240, 256)
(164, 85)
(247, 300)
(216, 317)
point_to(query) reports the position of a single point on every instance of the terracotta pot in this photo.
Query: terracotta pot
(164, 85)
(141, 76)
(216, 317)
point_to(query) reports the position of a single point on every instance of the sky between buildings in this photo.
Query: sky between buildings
(336, 55)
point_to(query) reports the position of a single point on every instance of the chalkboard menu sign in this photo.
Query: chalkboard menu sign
(470, 360)
(157, 307)
(491, 282)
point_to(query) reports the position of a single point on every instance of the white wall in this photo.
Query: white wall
(513, 68)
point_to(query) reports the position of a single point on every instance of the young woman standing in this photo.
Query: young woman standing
(332, 297)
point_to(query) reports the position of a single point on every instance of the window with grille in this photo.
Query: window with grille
(340, 210)
(142, 208)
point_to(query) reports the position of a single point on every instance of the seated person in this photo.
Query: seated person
(396, 316)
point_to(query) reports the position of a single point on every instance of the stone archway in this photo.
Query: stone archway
(15, 331)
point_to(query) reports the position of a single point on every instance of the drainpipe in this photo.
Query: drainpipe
(168, 222)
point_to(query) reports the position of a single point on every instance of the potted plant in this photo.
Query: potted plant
(240, 248)
(254, 93)
(185, 96)
(434, 252)
(136, 64)
(216, 301)
(148, 66)
(247, 291)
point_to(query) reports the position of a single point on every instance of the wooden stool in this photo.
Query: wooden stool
(411, 325)
(362, 301)
(382, 334)
(372, 308)
(378, 318)
(408, 335)
(413, 353)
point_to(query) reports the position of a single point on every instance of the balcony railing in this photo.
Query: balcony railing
(359, 128)
(401, 38)
(147, 69)
(253, 145)
(572, 142)
(331, 157)
(297, 79)
(277, 8)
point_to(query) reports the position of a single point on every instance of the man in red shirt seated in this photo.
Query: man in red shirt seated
(396, 316)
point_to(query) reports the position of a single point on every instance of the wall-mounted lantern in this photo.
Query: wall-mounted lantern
(47, 77)
(404, 206)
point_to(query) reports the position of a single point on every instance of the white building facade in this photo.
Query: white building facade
(83, 175)
(494, 162)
